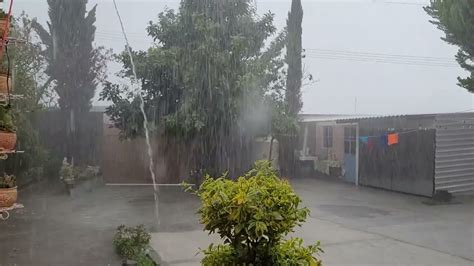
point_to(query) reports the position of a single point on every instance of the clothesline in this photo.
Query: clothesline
(399, 133)
(387, 139)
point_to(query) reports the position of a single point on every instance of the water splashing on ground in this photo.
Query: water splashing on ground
(145, 118)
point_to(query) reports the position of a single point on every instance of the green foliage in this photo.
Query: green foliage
(72, 61)
(66, 172)
(292, 252)
(7, 181)
(286, 116)
(73, 65)
(252, 215)
(456, 19)
(203, 80)
(294, 58)
(132, 242)
(219, 255)
(87, 172)
(27, 62)
(6, 120)
(3, 15)
(144, 260)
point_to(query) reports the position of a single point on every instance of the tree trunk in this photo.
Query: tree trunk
(271, 149)
(286, 156)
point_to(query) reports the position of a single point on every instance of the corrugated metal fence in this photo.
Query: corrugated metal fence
(454, 171)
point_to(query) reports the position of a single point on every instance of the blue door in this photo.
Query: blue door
(350, 154)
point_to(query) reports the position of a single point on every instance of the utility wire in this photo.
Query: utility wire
(346, 52)
(330, 54)
(372, 60)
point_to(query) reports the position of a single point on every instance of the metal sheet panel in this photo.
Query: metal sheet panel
(454, 157)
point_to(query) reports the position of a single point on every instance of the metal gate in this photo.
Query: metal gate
(454, 159)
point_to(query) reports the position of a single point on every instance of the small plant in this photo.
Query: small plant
(87, 172)
(7, 181)
(66, 173)
(3, 15)
(253, 215)
(6, 120)
(132, 243)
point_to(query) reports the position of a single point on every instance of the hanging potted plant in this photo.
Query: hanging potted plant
(7, 130)
(5, 82)
(8, 190)
(3, 22)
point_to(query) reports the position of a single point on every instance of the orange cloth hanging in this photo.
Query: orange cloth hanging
(392, 139)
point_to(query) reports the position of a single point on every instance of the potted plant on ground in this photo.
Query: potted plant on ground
(132, 244)
(66, 174)
(8, 190)
(7, 130)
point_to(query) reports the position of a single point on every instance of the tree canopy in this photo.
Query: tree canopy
(456, 19)
(204, 81)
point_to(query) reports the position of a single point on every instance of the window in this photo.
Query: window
(350, 140)
(328, 135)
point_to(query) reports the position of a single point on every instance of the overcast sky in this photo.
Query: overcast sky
(369, 56)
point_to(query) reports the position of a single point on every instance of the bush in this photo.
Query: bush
(131, 243)
(292, 252)
(252, 215)
(144, 260)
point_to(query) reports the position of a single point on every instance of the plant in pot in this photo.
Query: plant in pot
(8, 190)
(66, 174)
(5, 84)
(3, 22)
(7, 130)
(132, 244)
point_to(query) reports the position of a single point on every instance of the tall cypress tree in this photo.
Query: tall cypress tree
(293, 100)
(75, 66)
(293, 58)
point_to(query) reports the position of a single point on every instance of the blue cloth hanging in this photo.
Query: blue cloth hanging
(383, 140)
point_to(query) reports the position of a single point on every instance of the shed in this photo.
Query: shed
(433, 152)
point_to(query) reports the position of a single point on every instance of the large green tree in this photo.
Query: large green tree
(204, 81)
(456, 19)
(293, 102)
(74, 65)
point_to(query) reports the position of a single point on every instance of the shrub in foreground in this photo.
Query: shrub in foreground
(252, 215)
(131, 243)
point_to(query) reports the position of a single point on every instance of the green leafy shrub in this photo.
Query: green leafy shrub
(7, 181)
(144, 260)
(66, 172)
(6, 120)
(131, 243)
(292, 252)
(252, 215)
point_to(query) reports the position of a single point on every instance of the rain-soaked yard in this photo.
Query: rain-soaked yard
(355, 225)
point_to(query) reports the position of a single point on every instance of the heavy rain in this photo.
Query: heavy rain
(236, 132)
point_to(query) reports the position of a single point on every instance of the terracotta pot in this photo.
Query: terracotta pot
(7, 140)
(3, 83)
(3, 25)
(8, 196)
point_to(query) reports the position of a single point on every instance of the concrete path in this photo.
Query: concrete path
(56, 229)
(356, 226)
